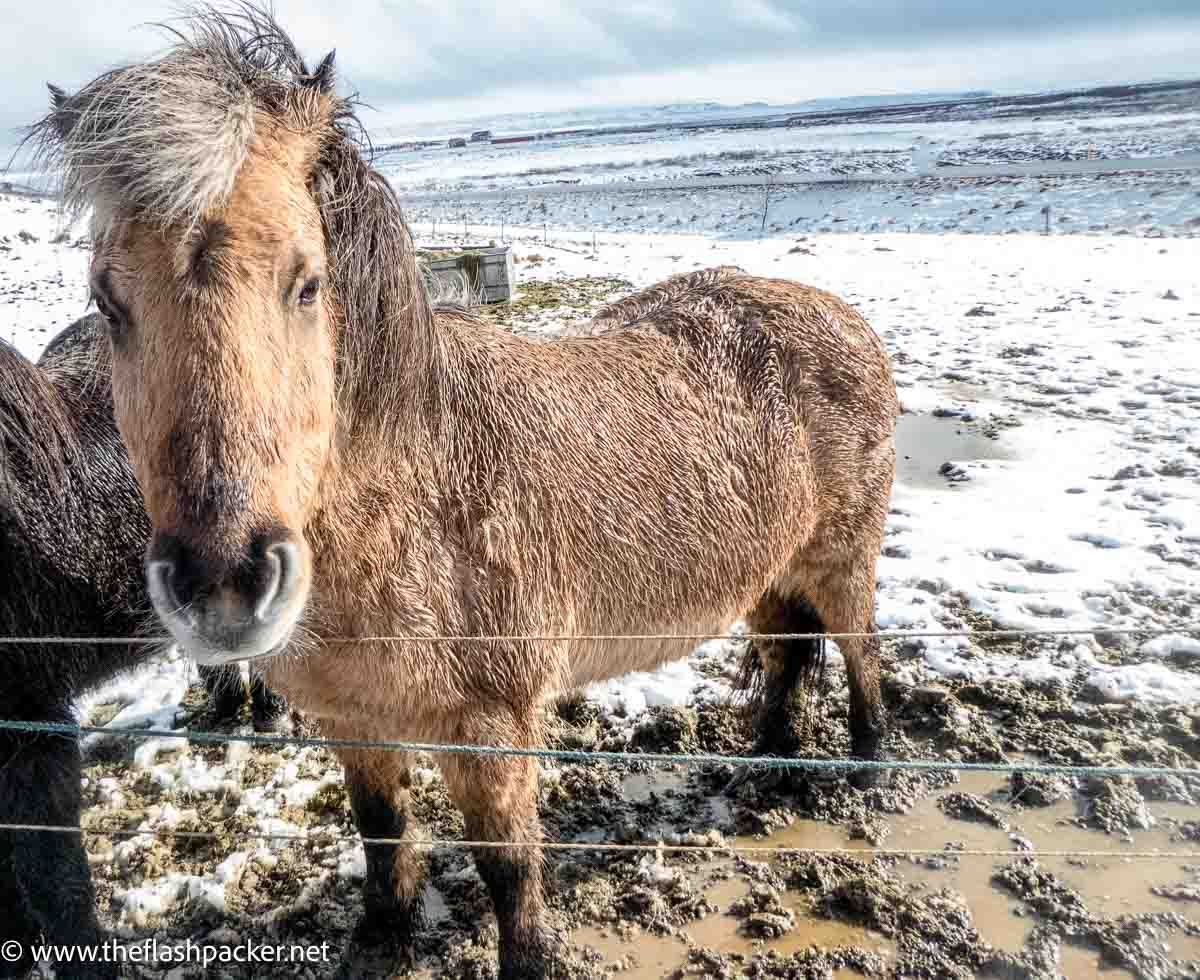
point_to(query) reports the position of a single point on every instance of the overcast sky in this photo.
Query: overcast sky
(419, 59)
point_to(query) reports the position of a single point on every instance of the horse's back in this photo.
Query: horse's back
(725, 312)
(72, 525)
(801, 356)
(802, 361)
(79, 342)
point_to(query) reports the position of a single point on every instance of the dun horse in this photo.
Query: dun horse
(323, 458)
(73, 536)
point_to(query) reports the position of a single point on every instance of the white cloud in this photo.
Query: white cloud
(421, 58)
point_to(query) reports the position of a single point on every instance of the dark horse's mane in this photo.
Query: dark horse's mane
(166, 139)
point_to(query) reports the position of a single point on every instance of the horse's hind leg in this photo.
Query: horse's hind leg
(786, 665)
(498, 799)
(777, 670)
(843, 595)
(377, 782)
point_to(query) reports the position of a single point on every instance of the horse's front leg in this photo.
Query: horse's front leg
(269, 710)
(377, 783)
(498, 799)
(16, 925)
(226, 691)
(40, 784)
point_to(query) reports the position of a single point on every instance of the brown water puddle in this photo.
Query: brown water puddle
(656, 956)
(1109, 886)
(925, 442)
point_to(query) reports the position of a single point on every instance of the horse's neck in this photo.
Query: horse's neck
(375, 493)
(396, 495)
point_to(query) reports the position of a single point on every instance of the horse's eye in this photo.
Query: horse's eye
(308, 293)
(112, 317)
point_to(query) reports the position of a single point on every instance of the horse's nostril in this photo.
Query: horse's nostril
(165, 578)
(281, 576)
(271, 575)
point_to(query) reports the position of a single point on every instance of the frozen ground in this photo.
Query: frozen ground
(1049, 478)
(614, 180)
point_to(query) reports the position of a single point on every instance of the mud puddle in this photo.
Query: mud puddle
(649, 957)
(951, 822)
(925, 443)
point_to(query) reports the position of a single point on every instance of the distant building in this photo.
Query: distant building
(457, 143)
(481, 136)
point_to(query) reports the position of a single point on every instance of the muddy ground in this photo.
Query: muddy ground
(795, 915)
(712, 913)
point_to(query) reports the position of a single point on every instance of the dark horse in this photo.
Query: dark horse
(73, 534)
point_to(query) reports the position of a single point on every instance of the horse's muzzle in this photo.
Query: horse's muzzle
(225, 610)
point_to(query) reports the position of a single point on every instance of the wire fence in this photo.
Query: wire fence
(754, 763)
(574, 217)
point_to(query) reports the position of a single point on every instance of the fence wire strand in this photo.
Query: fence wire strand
(1183, 629)
(321, 838)
(585, 755)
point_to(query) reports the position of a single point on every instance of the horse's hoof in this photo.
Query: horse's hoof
(377, 950)
(762, 778)
(225, 708)
(545, 956)
(272, 722)
(268, 710)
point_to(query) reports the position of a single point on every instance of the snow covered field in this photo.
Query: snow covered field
(1048, 470)
(841, 146)
(1059, 376)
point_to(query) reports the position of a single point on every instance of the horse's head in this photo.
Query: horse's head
(204, 172)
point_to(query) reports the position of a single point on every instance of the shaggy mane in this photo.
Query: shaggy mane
(166, 138)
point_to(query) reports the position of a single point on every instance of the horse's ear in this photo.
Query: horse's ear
(323, 78)
(62, 117)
